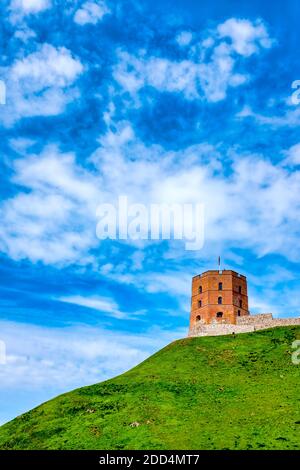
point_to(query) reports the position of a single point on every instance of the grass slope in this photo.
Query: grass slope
(203, 393)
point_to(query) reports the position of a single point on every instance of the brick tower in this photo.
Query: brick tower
(218, 297)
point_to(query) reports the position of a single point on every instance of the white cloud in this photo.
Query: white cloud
(176, 282)
(246, 37)
(245, 112)
(47, 67)
(91, 13)
(216, 76)
(24, 33)
(41, 83)
(27, 7)
(21, 144)
(53, 219)
(102, 304)
(209, 69)
(293, 156)
(21, 10)
(135, 72)
(57, 172)
(289, 118)
(184, 38)
(264, 194)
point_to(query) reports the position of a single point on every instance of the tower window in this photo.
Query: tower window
(241, 303)
(240, 289)
(219, 314)
(199, 303)
(220, 285)
(239, 313)
(200, 290)
(198, 318)
(220, 301)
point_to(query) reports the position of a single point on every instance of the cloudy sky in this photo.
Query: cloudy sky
(163, 102)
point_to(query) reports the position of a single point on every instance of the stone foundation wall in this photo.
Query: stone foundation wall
(255, 319)
(243, 325)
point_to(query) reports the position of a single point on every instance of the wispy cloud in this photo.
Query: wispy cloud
(209, 69)
(289, 117)
(43, 223)
(105, 305)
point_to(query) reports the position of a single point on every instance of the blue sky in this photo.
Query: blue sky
(168, 101)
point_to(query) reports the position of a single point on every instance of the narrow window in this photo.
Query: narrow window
(198, 318)
(199, 303)
(219, 300)
(220, 285)
(200, 290)
(219, 314)
(240, 289)
(241, 303)
(239, 313)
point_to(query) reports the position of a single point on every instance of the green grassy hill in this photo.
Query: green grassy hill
(221, 392)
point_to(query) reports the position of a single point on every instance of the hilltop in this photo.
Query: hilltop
(225, 392)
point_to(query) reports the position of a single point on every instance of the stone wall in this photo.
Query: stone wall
(255, 319)
(243, 325)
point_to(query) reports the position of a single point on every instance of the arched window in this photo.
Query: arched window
(198, 318)
(239, 313)
(241, 303)
(199, 303)
(200, 289)
(220, 301)
(219, 314)
(240, 289)
(220, 285)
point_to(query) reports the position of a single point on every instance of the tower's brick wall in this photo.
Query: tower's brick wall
(207, 290)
